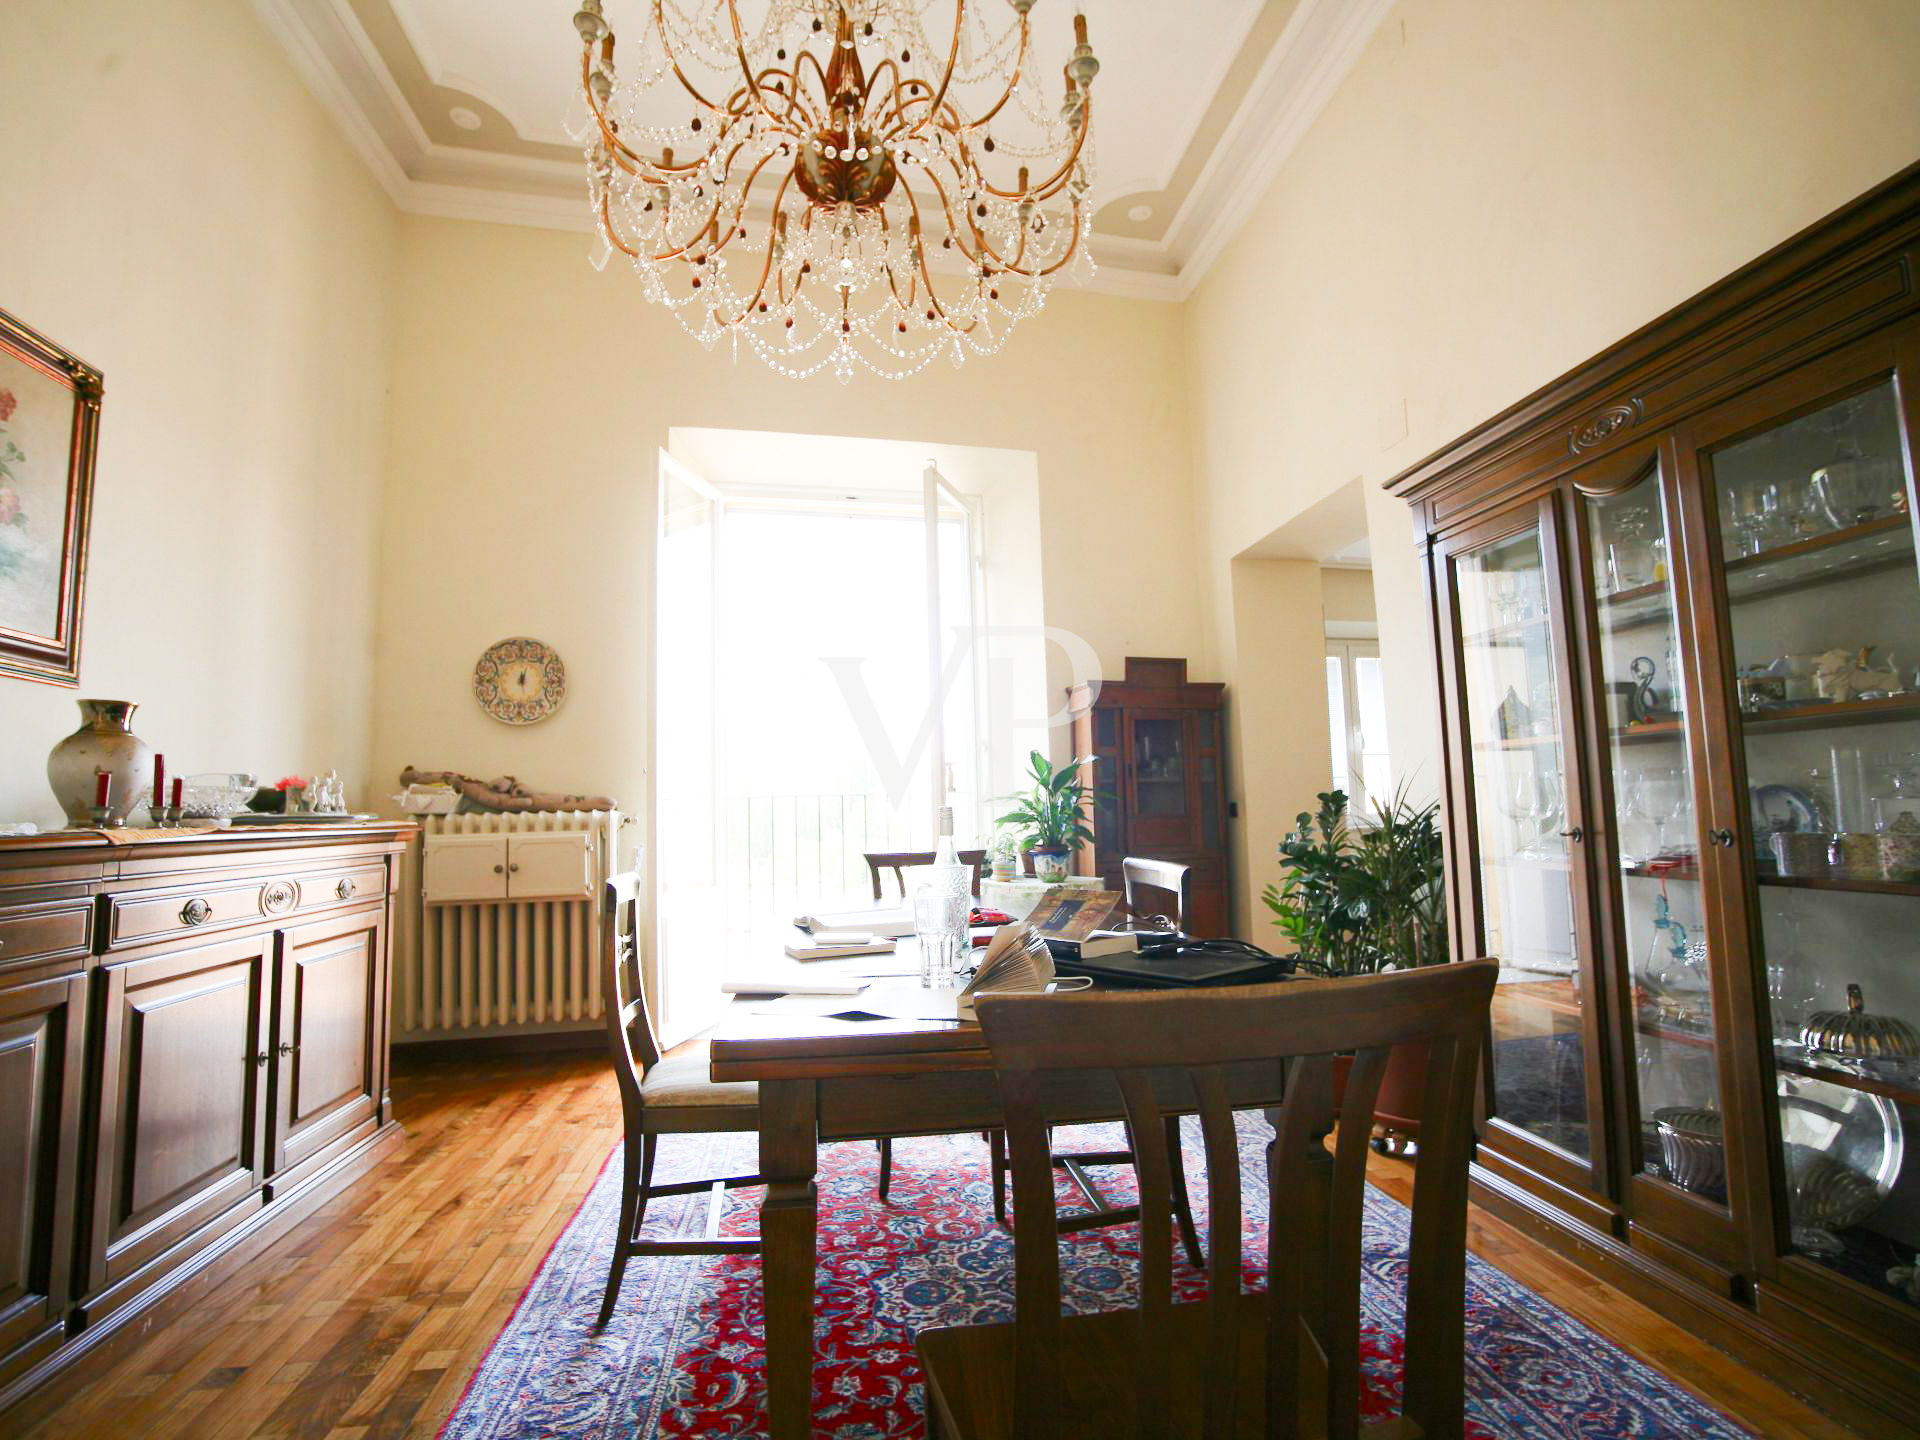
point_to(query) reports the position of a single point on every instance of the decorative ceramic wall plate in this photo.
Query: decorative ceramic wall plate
(520, 681)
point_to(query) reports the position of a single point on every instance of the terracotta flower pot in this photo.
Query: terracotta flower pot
(1396, 1109)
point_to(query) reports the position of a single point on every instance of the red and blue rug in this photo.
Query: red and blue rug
(683, 1354)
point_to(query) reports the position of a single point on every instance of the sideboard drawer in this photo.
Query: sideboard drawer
(29, 934)
(352, 886)
(137, 918)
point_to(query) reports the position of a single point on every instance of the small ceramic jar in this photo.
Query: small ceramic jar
(1900, 850)
(1799, 854)
(1856, 855)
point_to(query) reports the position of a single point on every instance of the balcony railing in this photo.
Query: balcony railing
(789, 854)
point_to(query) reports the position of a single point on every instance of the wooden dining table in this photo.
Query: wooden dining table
(828, 1079)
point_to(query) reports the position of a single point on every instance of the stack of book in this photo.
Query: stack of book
(836, 944)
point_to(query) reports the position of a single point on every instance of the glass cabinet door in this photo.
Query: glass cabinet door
(1160, 777)
(1656, 890)
(1160, 764)
(1517, 763)
(1816, 533)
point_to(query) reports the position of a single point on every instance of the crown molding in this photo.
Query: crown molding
(1320, 46)
(339, 64)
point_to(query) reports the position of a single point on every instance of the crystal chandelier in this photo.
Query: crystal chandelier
(837, 188)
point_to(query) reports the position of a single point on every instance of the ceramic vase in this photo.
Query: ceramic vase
(1050, 864)
(104, 741)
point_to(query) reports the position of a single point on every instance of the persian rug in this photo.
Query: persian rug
(683, 1354)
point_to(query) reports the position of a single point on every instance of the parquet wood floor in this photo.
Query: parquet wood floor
(365, 1319)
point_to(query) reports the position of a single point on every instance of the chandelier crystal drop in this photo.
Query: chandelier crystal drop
(841, 182)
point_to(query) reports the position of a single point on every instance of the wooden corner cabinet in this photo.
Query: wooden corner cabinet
(1677, 608)
(1159, 747)
(193, 1030)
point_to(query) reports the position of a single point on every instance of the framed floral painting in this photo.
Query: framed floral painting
(49, 425)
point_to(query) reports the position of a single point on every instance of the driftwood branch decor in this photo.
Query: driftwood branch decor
(504, 795)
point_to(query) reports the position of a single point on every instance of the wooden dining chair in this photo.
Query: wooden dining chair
(1285, 1361)
(1138, 877)
(1162, 877)
(901, 861)
(659, 1097)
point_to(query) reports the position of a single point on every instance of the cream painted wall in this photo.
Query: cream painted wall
(1278, 735)
(531, 394)
(1499, 189)
(182, 214)
(1347, 595)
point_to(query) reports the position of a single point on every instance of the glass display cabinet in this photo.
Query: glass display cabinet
(1159, 777)
(1676, 600)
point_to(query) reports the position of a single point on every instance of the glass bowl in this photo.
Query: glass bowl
(216, 795)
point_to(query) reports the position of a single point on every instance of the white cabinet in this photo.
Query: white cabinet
(474, 869)
(549, 867)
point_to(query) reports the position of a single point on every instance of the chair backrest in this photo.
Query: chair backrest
(901, 861)
(1176, 1050)
(1137, 876)
(631, 1043)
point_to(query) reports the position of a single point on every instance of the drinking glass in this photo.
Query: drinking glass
(940, 928)
(1662, 795)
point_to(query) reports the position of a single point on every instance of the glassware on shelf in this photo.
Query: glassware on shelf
(1657, 887)
(1834, 736)
(1793, 978)
(1853, 490)
(1665, 794)
(1851, 814)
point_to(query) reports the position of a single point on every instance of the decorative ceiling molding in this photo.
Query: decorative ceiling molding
(341, 65)
(1321, 44)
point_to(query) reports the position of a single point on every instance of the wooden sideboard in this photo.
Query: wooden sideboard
(193, 1031)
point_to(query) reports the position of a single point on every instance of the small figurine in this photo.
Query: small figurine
(1847, 675)
(1646, 700)
(1515, 718)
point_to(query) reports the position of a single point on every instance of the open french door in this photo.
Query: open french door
(956, 627)
(686, 879)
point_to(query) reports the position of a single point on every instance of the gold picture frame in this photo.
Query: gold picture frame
(49, 433)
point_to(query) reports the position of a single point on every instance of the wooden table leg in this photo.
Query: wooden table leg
(789, 1156)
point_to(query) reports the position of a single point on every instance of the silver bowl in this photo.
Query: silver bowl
(1693, 1147)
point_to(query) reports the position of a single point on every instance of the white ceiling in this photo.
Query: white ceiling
(515, 64)
(1155, 79)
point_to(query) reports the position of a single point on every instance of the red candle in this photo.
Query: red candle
(102, 789)
(159, 780)
(178, 786)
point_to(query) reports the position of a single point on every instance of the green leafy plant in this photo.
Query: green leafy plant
(1005, 845)
(1359, 901)
(1050, 813)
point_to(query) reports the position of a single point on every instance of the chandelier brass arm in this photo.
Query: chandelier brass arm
(848, 105)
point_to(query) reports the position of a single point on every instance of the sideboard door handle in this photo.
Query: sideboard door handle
(1576, 834)
(261, 1058)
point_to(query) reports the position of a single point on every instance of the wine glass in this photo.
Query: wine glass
(1634, 806)
(1775, 524)
(1553, 806)
(1519, 800)
(1662, 794)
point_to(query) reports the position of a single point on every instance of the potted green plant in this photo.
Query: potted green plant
(1362, 900)
(1004, 853)
(1051, 815)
